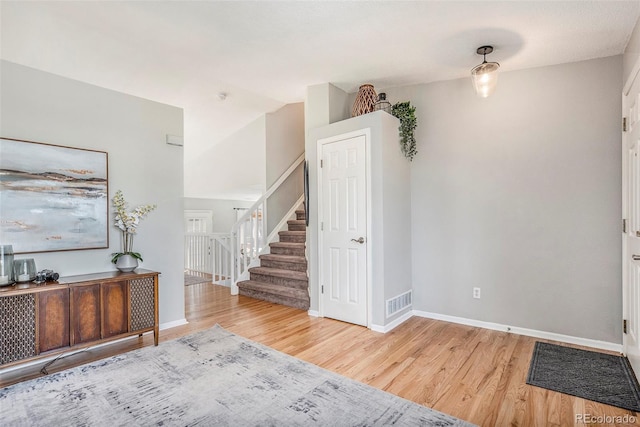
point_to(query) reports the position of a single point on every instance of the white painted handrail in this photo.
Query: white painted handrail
(249, 233)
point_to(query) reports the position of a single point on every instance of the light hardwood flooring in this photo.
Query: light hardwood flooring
(474, 374)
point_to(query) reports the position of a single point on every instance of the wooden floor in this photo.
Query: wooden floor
(474, 374)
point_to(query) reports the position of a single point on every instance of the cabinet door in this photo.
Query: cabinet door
(85, 313)
(115, 311)
(142, 294)
(17, 328)
(53, 319)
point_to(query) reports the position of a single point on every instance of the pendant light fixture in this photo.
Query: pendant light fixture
(485, 76)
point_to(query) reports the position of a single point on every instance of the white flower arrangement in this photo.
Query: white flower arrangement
(128, 223)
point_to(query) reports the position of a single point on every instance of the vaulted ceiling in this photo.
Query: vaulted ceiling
(264, 54)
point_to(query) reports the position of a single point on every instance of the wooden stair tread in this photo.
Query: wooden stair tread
(274, 289)
(276, 272)
(284, 258)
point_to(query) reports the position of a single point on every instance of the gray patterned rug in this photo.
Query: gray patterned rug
(600, 377)
(212, 378)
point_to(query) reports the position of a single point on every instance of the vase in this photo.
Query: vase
(24, 270)
(365, 100)
(126, 263)
(382, 103)
(6, 265)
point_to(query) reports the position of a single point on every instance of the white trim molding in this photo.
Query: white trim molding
(173, 324)
(585, 342)
(602, 345)
(313, 313)
(394, 324)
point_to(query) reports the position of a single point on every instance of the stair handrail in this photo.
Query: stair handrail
(247, 249)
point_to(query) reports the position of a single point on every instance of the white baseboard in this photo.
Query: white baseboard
(603, 345)
(390, 326)
(586, 342)
(173, 324)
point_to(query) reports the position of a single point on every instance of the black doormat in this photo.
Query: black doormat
(600, 377)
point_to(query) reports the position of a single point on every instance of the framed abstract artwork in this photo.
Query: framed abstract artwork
(52, 198)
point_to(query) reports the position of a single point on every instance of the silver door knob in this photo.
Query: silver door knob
(635, 257)
(360, 240)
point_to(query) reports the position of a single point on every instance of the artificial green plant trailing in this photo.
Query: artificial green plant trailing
(408, 122)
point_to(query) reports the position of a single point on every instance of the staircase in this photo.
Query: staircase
(281, 277)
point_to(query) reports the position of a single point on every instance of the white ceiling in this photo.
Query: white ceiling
(264, 54)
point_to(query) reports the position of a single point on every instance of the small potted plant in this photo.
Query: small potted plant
(128, 222)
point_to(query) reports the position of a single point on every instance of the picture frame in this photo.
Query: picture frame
(52, 197)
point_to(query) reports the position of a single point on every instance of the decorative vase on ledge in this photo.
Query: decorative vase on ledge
(126, 263)
(365, 100)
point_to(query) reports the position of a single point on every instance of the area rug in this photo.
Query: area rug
(211, 378)
(600, 377)
(190, 279)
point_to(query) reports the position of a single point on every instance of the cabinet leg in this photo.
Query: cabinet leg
(156, 335)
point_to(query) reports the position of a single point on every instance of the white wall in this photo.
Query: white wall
(232, 169)
(223, 212)
(520, 194)
(339, 104)
(244, 165)
(325, 104)
(43, 107)
(284, 145)
(316, 108)
(284, 140)
(395, 210)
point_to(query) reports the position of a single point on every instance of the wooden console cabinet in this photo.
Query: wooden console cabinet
(76, 312)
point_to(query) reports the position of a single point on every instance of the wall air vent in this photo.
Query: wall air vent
(398, 303)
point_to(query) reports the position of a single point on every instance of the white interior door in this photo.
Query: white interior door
(343, 227)
(631, 211)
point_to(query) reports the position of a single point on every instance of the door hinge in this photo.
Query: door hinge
(624, 226)
(321, 226)
(624, 326)
(321, 162)
(322, 291)
(624, 124)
